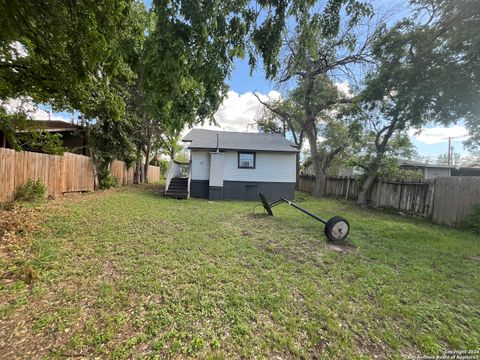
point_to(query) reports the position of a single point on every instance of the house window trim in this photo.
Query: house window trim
(254, 160)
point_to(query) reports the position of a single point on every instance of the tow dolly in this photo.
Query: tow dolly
(336, 229)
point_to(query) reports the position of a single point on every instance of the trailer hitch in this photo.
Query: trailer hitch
(336, 229)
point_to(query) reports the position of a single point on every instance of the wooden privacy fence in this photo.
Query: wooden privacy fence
(447, 200)
(61, 174)
(125, 175)
(455, 198)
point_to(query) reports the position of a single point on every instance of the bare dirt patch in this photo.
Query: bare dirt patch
(342, 248)
(16, 226)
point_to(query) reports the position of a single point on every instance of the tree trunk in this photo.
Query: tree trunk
(368, 183)
(138, 167)
(311, 133)
(299, 144)
(96, 182)
(319, 186)
(147, 163)
(297, 169)
(366, 186)
(140, 171)
(320, 182)
(91, 153)
(381, 147)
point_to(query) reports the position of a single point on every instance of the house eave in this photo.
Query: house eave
(245, 149)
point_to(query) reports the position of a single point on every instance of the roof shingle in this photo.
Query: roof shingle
(228, 140)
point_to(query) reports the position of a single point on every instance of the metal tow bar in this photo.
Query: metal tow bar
(336, 229)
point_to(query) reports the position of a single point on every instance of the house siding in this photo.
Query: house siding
(273, 175)
(200, 165)
(432, 172)
(269, 167)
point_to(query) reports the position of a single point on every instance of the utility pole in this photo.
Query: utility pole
(449, 151)
(450, 146)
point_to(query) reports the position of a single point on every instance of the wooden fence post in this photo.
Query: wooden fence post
(348, 188)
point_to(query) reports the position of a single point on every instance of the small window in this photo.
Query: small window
(246, 160)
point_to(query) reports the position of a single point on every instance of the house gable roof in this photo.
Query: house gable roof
(229, 140)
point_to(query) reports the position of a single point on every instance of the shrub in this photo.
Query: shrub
(106, 180)
(32, 190)
(472, 222)
(163, 167)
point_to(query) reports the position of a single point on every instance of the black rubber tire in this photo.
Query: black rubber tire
(329, 229)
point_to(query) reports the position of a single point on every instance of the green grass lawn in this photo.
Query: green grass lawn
(129, 274)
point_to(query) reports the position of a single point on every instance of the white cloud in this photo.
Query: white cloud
(238, 111)
(31, 109)
(345, 89)
(439, 134)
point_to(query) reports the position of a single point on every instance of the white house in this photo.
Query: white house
(235, 165)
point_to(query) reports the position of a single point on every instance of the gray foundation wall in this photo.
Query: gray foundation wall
(247, 190)
(215, 193)
(242, 190)
(199, 188)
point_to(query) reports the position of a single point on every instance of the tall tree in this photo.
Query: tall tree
(111, 127)
(58, 52)
(330, 133)
(74, 55)
(197, 42)
(378, 144)
(415, 60)
(194, 44)
(450, 31)
(322, 44)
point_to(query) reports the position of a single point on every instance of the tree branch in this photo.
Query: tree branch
(275, 110)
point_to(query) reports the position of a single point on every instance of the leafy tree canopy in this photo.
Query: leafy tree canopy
(427, 66)
(65, 53)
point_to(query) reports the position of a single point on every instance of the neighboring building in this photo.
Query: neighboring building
(467, 170)
(234, 165)
(430, 171)
(73, 136)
